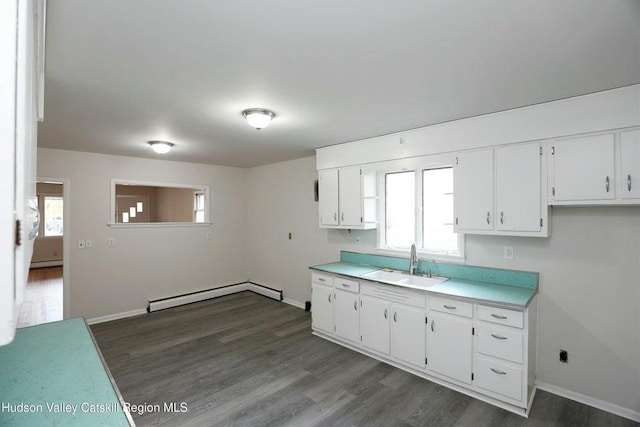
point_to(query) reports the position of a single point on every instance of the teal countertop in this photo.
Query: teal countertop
(53, 375)
(512, 296)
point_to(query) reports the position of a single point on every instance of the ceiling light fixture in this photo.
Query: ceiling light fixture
(258, 117)
(161, 147)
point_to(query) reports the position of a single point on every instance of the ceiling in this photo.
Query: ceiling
(120, 73)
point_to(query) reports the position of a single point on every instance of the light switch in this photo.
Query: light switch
(111, 242)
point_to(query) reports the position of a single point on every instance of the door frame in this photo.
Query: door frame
(66, 241)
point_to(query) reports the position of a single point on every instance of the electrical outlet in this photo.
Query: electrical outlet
(358, 240)
(208, 236)
(111, 242)
(81, 244)
(508, 252)
(564, 356)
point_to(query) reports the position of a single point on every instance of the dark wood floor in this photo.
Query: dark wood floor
(247, 360)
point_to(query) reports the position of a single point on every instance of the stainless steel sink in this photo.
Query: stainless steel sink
(402, 279)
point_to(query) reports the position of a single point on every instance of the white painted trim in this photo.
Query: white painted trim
(591, 401)
(155, 305)
(294, 303)
(263, 290)
(157, 224)
(116, 316)
(42, 264)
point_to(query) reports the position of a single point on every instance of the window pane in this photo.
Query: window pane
(53, 216)
(400, 209)
(437, 220)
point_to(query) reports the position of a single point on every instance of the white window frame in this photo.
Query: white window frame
(195, 206)
(417, 165)
(41, 205)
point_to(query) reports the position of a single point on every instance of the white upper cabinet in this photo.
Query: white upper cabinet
(629, 177)
(518, 188)
(328, 197)
(473, 191)
(348, 198)
(583, 169)
(595, 169)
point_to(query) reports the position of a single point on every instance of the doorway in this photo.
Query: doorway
(43, 300)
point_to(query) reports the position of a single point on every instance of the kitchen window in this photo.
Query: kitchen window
(418, 208)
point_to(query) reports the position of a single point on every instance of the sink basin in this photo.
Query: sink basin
(403, 279)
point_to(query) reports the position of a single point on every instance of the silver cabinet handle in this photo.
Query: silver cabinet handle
(488, 216)
(342, 216)
(395, 316)
(629, 182)
(606, 184)
(432, 325)
(355, 305)
(320, 279)
(335, 216)
(345, 285)
(385, 312)
(498, 316)
(329, 297)
(498, 371)
(449, 307)
(498, 337)
(501, 217)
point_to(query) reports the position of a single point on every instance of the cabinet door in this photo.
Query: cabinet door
(322, 307)
(449, 346)
(328, 196)
(347, 316)
(583, 168)
(408, 334)
(350, 197)
(473, 190)
(518, 188)
(629, 187)
(374, 323)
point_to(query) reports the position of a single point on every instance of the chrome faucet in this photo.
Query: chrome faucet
(413, 260)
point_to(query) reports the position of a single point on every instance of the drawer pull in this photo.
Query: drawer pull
(498, 371)
(345, 285)
(449, 307)
(498, 316)
(320, 279)
(498, 337)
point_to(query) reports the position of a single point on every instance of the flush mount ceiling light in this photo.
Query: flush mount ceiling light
(258, 117)
(161, 147)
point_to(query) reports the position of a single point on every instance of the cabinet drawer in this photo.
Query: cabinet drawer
(451, 306)
(323, 279)
(346, 284)
(394, 293)
(501, 316)
(505, 343)
(499, 378)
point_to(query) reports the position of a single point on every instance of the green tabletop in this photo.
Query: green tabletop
(487, 292)
(346, 268)
(53, 375)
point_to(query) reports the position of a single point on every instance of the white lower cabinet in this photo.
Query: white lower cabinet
(478, 349)
(407, 334)
(346, 315)
(450, 346)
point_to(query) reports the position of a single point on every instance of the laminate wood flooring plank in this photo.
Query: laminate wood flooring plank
(42, 302)
(272, 371)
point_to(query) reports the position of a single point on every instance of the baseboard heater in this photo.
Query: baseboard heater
(164, 303)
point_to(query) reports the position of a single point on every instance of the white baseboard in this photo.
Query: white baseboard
(116, 316)
(42, 264)
(161, 304)
(267, 292)
(293, 303)
(591, 401)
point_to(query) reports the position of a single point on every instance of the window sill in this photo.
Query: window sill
(158, 224)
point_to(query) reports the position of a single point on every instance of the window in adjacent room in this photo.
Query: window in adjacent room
(198, 207)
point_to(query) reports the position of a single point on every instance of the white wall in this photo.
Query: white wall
(146, 263)
(589, 269)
